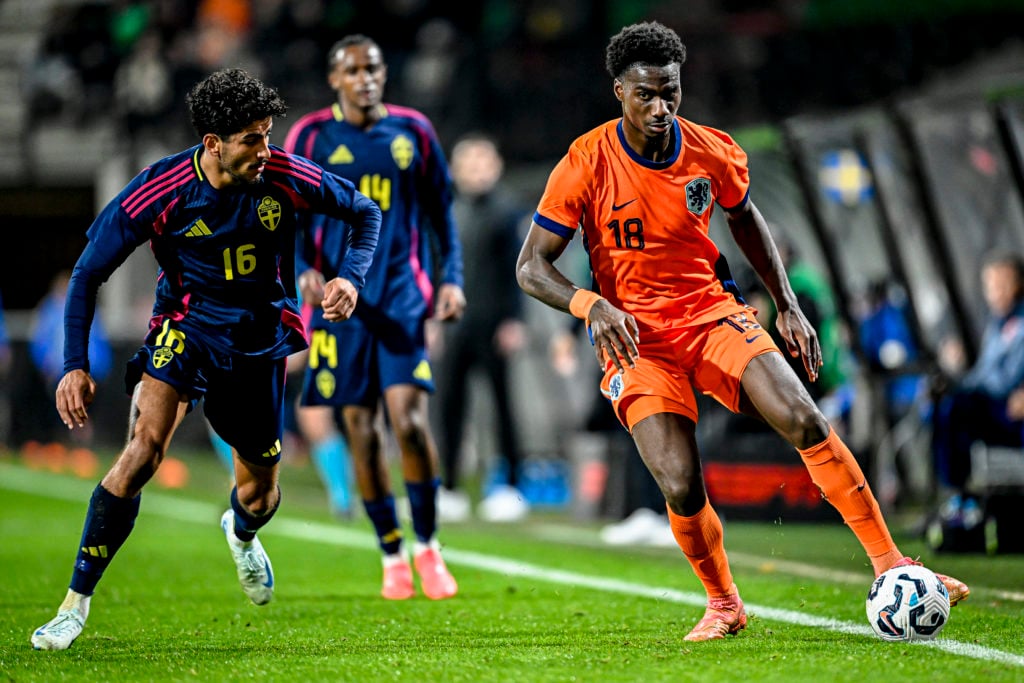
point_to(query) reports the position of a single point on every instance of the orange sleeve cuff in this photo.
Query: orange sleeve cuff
(582, 301)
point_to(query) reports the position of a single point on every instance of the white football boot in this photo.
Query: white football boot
(61, 631)
(254, 570)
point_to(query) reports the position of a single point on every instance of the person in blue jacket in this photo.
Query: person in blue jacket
(984, 404)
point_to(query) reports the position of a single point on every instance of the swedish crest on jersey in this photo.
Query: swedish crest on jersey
(698, 195)
(402, 151)
(269, 212)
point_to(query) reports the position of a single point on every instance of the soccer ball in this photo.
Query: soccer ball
(907, 603)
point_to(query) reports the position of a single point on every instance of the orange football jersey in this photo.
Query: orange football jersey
(645, 224)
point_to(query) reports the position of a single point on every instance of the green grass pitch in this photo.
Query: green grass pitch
(540, 600)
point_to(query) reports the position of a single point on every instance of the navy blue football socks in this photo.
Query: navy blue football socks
(247, 524)
(107, 524)
(423, 507)
(385, 522)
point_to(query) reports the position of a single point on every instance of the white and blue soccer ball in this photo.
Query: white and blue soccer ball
(907, 603)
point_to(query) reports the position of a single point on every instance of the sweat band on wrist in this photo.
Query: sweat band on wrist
(582, 301)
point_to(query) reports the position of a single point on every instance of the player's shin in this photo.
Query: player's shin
(700, 537)
(835, 471)
(108, 523)
(423, 506)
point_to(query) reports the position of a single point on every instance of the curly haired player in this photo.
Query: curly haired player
(220, 218)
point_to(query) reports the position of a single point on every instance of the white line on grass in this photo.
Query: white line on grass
(564, 533)
(47, 485)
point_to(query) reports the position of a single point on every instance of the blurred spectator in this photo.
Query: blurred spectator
(889, 346)
(71, 74)
(46, 344)
(892, 355)
(144, 86)
(987, 404)
(430, 69)
(233, 16)
(489, 218)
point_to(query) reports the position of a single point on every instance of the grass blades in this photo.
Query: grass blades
(538, 601)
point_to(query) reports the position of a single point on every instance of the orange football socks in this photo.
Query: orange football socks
(700, 538)
(836, 472)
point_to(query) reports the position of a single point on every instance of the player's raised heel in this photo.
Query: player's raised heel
(59, 632)
(723, 616)
(254, 570)
(957, 589)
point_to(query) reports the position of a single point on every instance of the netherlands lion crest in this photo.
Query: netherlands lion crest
(698, 195)
(615, 385)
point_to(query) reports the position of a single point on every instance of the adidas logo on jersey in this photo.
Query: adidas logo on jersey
(198, 229)
(341, 155)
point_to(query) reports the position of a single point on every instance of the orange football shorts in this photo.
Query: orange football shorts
(709, 358)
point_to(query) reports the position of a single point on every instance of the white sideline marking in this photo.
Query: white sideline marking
(561, 533)
(48, 485)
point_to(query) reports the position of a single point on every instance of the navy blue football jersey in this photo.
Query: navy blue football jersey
(398, 163)
(225, 255)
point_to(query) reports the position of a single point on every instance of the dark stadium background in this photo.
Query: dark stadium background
(928, 96)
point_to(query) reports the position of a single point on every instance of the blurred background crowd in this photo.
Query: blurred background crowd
(886, 142)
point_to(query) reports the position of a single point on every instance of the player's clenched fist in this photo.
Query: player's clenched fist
(340, 298)
(311, 287)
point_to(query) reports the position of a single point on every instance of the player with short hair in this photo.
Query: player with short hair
(666, 317)
(393, 155)
(220, 218)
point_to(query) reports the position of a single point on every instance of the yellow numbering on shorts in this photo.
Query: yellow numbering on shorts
(323, 345)
(169, 342)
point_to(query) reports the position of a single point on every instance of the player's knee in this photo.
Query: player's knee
(807, 428)
(362, 436)
(410, 428)
(680, 494)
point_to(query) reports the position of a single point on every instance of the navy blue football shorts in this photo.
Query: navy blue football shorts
(243, 396)
(353, 361)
